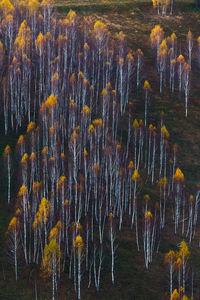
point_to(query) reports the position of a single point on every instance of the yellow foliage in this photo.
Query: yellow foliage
(189, 35)
(2, 52)
(104, 92)
(109, 86)
(22, 5)
(15, 61)
(156, 34)
(73, 136)
(23, 191)
(121, 61)
(178, 176)
(135, 175)
(23, 40)
(139, 52)
(162, 181)
(118, 146)
(6, 7)
(40, 18)
(165, 131)
(7, 151)
(48, 36)
(66, 204)
(135, 124)
(33, 6)
(180, 59)
(71, 15)
(173, 36)
(114, 92)
(72, 103)
(37, 221)
(186, 67)
(121, 36)
(44, 209)
(154, 3)
(51, 130)
(175, 148)
(163, 48)
(146, 197)
(175, 295)
(45, 150)
(24, 158)
(52, 160)
(60, 38)
(32, 156)
(141, 124)
(47, 3)
(96, 168)
(51, 102)
(178, 263)
(191, 199)
(18, 212)
(181, 291)
(86, 47)
(169, 257)
(78, 243)
(91, 128)
(129, 57)
(53, 233)
(61, 180)
(85, 153)
(151, 128)
(14, 224)
(147, 85)
(9, 18)
(99, 26)
(80, 74)
(40, 42)
(59, 225)
(148, 216)
(98, 122)
(73, 225)
(51, 256)
(30, 127)
(79, 227)
(62, 155)
(184, 251)
(131, 165)
(55, 77)
(35, 186)
(86, 110)
(85, 82)
(72, 78)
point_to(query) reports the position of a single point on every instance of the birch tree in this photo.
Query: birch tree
(78, 244)
(184, 253)
(13, 235)
(49, 265)
(147, 90)
(170, 259)
(7, 158)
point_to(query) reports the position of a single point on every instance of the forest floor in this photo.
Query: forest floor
(133, 281)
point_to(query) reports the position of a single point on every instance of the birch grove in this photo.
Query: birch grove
(86, 162)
